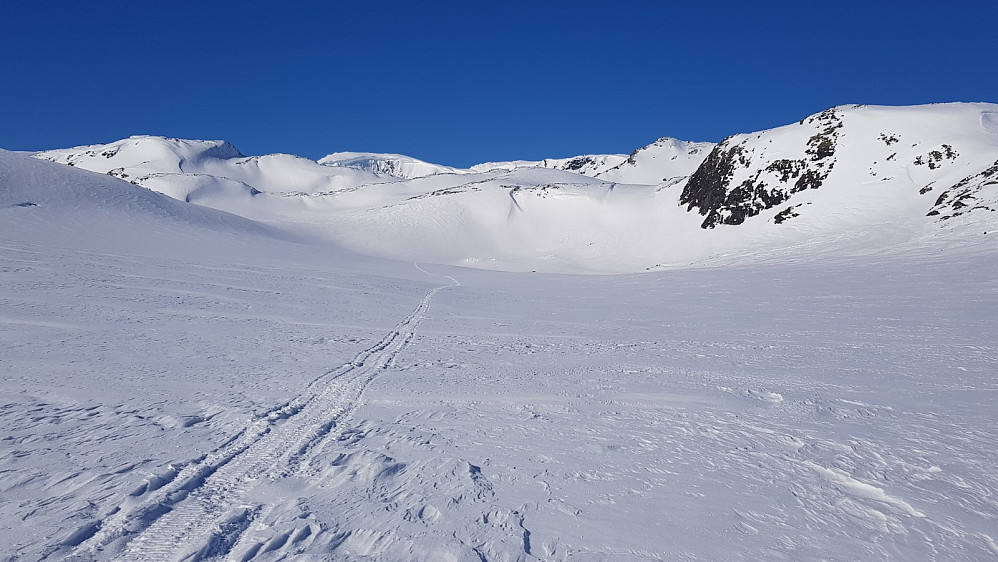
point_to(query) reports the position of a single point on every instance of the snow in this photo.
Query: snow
(181, 382)
(587, 165)
(663, 161)
(395, 165)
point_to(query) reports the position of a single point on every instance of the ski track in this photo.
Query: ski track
(202, 511)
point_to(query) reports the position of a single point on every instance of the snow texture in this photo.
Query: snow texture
(244, 378)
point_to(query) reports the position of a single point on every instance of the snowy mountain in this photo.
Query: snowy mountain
(889, 161)
(846, 179)
(193, 170)
(406, 167)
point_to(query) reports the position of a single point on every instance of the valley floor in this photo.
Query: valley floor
(213, 408)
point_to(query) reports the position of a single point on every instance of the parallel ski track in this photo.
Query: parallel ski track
(190, 516)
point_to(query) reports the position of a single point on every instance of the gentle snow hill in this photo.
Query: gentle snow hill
(666, 160)
(45, 203)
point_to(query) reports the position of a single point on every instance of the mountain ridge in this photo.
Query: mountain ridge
(847, 177)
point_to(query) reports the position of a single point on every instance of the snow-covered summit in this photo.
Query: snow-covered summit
(665, 160)
(166, 152)
(190, 169)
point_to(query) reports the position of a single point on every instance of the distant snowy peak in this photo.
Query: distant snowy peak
(191, 170)
(862, 157)
(661, 161)
(406, 167)
(165, 151)
(395, 165)
(586, 165)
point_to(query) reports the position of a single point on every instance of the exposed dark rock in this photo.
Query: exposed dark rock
(709, 189)
(966, 192)
(786, 214)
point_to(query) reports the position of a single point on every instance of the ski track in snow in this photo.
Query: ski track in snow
(202, 511)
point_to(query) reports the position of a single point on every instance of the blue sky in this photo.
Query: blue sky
(462, 82)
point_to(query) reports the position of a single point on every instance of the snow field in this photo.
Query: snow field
(180, 383)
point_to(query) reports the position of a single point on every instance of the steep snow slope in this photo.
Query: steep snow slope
(666, 160)
(886, 164)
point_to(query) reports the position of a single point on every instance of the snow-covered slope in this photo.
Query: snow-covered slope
(666, 160)
(849, 179)
(178, 383)
(587, 165)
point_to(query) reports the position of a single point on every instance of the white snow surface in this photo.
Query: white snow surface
(664, 161)
(179, 382)
(395, 165)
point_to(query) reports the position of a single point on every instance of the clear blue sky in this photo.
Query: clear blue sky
(464, 82)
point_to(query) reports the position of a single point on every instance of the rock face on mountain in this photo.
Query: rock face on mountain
(710, 189)
(859, 151)
(976, 193)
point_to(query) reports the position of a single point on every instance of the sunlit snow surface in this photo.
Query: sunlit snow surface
(180, 383)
